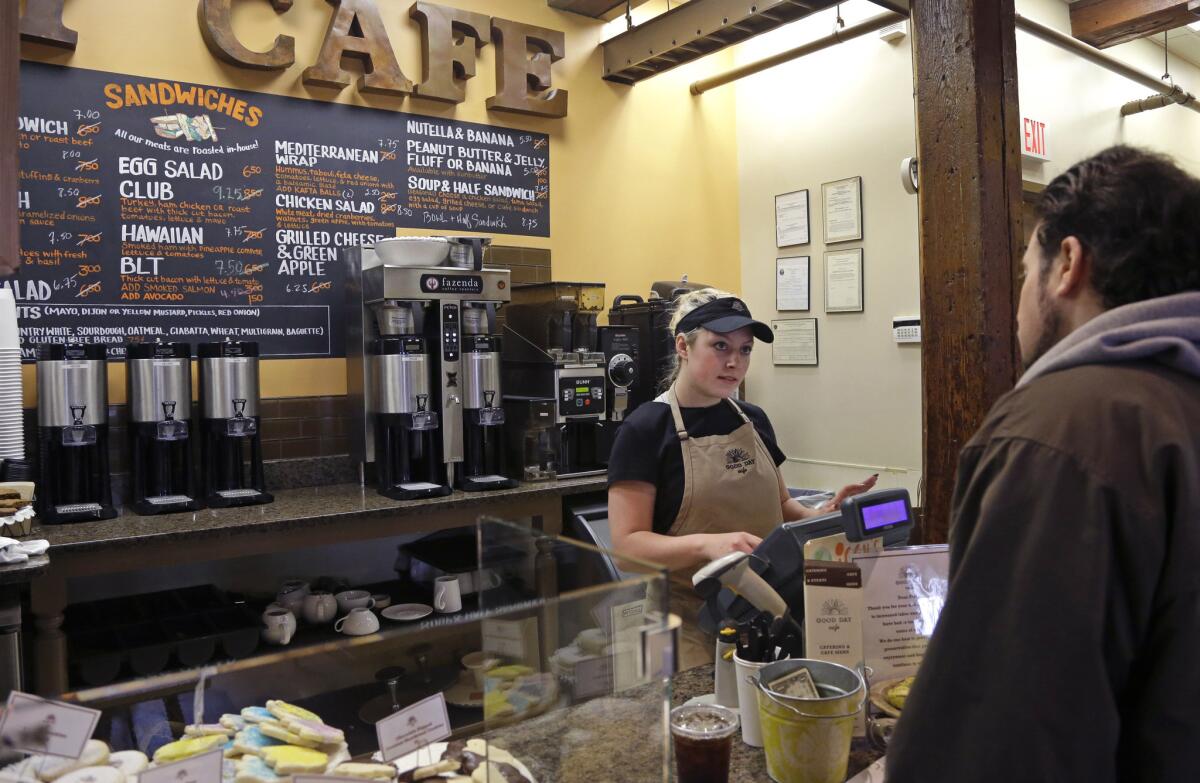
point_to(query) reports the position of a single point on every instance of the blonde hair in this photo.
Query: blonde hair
(684, 305)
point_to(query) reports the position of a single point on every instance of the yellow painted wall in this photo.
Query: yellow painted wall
(643, 180)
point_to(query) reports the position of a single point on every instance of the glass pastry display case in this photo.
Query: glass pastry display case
(550, 671)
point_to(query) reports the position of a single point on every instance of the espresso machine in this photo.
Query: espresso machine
(550, 358)
(422, 365)
(158, 382)
(73, 482)
(230, 440)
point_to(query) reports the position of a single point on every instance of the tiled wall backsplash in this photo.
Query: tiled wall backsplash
(314, 429)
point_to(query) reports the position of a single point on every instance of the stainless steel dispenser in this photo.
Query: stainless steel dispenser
(230, 443)
(73, 483)
(158, 380)
(421, 289)
(484, 463)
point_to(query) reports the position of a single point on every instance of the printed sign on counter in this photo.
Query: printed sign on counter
(903, 593)
(40, 725)
(413, 727)
(205, 768)
(157, 209)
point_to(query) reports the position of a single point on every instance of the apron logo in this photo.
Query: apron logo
(739, 460)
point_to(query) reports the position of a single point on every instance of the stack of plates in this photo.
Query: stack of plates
(12, 432)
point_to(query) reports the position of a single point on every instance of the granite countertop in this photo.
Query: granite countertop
(291, 509)
(607, 738)
(23, 572)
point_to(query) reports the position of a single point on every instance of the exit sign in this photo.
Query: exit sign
(1033, 139)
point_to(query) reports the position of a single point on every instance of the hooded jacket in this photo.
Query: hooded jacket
(1069, 645)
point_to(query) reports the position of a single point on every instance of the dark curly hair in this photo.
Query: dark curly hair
(1136, 214)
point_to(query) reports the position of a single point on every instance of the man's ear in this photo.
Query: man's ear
(1074, 269)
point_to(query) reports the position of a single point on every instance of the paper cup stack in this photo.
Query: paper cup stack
(12, 432)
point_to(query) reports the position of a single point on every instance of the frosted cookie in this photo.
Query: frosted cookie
(281, 710)
(187, 747)
(94, 754)
(94, 775)
(279, 732)
(289, 760)
(490, 752)
(370, 771)
(314, 730)
(131, 762)
(206, 729)
(232, 722)
(252, 769)
(257, 715)
(252, 739)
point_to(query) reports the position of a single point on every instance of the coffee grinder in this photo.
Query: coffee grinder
(158, 378)
(73, 483)
(421, 365)
(230, 443)
(550, 355)
(619, 344)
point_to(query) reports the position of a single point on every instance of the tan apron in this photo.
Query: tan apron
(730, 484)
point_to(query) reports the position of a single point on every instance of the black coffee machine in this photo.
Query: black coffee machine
(550, 356)
(408, 440)
(73, 482)
(230, 443)
(655, 344)
(158, 383)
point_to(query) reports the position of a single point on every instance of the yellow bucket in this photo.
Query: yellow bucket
(808, 740)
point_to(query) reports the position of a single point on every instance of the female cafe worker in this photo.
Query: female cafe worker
(694, 475)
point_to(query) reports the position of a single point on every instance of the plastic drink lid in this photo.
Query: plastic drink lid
(703, 721)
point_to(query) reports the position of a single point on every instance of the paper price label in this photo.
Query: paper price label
(39, 725)
(413, 727)
(205, 768)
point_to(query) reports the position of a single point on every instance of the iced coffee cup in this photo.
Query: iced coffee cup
(703, 739)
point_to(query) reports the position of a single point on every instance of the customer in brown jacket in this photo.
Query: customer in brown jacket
(1069, 645)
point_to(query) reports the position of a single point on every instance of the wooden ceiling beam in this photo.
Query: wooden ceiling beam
(1105, 23)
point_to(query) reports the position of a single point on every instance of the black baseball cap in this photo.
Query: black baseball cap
(724, 315)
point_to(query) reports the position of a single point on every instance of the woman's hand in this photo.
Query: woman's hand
(716, 545)
(848, 491)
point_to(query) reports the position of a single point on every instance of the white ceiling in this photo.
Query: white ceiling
(1183, 42)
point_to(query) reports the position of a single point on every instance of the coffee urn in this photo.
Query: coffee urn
(408, 442)
(230, 443)
(483, 466)
(73, 483)
(158, 380)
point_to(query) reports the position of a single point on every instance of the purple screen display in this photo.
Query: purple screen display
(884, 514)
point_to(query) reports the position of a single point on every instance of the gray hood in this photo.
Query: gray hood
(1164, 330)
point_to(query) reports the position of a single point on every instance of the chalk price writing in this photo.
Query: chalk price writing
(60, 236)
(89, 239)
(234, 266)
(225, 193)
(68, 192)
(88, 130)
(89, 269)
(67, 283)
(529, 224)
(88, 165)
(531, 171)
(308, 288)
(399, 210)
(389, 144)
(88, 290)
(369, 192)
(68, 154)
(87, 114)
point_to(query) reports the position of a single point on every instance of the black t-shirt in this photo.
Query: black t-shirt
(647, 448)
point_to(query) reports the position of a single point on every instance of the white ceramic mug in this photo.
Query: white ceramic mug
(447, 594)
(359, 622)
(382, 600)
(478, 664)
(279, 625)
(354, 599)
(319, 608)
(291, 595)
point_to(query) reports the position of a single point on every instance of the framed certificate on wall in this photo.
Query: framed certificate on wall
(792, 284)
(795, 342)
(844, 281)
(791, 218)
(842, 204)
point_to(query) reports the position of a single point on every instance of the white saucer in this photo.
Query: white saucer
(406, 612)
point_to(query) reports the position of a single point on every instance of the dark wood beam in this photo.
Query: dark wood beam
(970, 233)
(1104, 23)
(597, 9)
(10, 63)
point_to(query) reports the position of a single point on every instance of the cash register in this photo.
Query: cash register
(779, 559)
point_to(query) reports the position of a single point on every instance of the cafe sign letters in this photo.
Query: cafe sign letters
(450, 40)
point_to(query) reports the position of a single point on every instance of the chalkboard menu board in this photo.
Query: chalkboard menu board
(160, 209)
